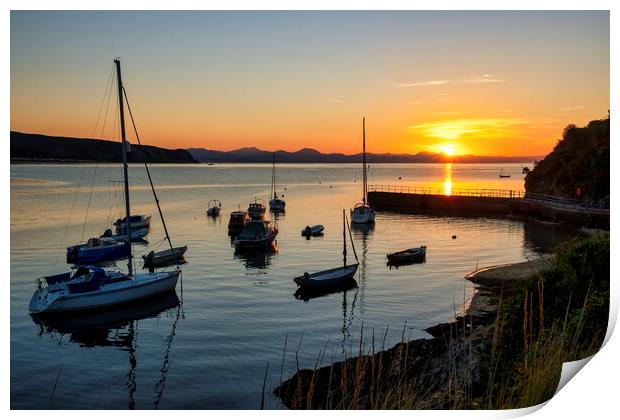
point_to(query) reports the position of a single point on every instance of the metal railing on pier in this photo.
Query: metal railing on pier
(460, 192)
(594, 207)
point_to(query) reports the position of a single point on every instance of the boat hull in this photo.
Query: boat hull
(363, 217)
(409, 256)
(327, 278)
(141, 287)
(134, 224)
(277, 205)
(85, 255)
(254, 243)
(313, 231)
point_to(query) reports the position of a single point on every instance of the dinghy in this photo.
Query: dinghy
(408, 256)
(334, 276)
(91, 287)
(363, 212)
(164, 258)
(315, 230)
(213, 208)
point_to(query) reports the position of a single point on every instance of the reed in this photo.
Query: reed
(514, 361)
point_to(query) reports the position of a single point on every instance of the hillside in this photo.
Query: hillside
(42, 148)
(578, 166)
(254, 155)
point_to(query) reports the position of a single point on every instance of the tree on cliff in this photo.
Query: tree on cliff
(578, 166)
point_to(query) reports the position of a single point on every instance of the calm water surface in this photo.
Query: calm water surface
(211, 350)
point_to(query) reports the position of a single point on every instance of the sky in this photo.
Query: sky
(483, 83)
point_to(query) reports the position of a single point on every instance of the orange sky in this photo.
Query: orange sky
(471, 83)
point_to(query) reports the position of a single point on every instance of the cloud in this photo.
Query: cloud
(485, 78)
(572, 108)
(427, 83)
(478, 127)
(441, 94)
(336, 101)
(415, 103)
(446, 113)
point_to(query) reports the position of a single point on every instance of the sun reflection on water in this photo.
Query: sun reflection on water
(447, 181)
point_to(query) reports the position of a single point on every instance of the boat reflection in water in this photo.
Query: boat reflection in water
(307, 293)
(118, 327)
(257, 258)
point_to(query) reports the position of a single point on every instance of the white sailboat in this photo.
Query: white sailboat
(276, 204)
(91, 287)
(363, 212)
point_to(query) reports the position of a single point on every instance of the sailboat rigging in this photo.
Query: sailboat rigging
(92, 287)
(363, 212)
(276, 204)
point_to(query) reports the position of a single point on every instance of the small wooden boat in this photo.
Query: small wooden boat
(256, 210)
(334, 276)
(256, 234)
(327, 277)
(97, 250)
(213, 208)
(408, 256)
(237, 221)
(315, 230)
(164, 258)
(135, 222)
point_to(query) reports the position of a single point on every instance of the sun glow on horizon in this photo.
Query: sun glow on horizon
(447, 149)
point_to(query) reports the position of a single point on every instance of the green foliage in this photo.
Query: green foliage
(558, 316)
(579, 160)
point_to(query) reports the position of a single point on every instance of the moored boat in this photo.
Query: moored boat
(135, 222)
(237, 221)
(363, 212)
(136, 235)
(256, 234)
(408, 256)
(164, 258)
(90, 287)
(315, 230)
(276, 204)
(334, 276)
(213, 208)
(97, 250)
(256, 210)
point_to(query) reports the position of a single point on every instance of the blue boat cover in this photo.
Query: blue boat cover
(58, 278)
(88, 286)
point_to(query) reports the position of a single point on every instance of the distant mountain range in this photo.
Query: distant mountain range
(254, 155)
(41, 148)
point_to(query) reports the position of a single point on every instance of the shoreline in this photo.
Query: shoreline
(429, 362)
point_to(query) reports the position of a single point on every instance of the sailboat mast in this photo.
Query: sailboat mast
(124, 148)
(273, 176)
(364, 155)
(344, 239)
